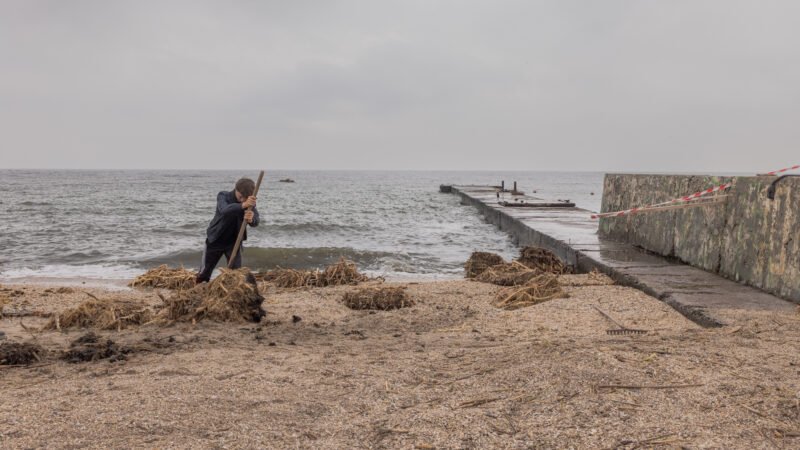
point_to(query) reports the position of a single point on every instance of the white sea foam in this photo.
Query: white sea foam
(92, 271)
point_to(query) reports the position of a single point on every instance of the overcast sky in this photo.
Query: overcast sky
(527, 85)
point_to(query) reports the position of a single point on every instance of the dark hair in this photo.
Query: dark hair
(245, 186)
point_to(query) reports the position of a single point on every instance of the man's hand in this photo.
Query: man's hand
(249, 203)
(248, 216)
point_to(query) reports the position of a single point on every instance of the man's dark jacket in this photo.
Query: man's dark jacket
(224, 227)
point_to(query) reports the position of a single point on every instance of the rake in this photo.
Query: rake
(621, 329)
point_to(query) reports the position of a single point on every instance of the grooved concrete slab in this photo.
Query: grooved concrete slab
(571, 234)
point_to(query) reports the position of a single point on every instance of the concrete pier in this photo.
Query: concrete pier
(706, 298)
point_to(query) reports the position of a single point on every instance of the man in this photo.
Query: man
(224, 227)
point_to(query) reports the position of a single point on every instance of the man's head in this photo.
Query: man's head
(244, 188)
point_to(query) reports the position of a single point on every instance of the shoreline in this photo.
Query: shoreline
(108, 283)
(122, 283)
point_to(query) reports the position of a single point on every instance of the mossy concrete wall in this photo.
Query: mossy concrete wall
(748, 238)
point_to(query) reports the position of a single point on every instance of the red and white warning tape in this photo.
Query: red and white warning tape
(784, 170)
(655, 205)
(686, 198)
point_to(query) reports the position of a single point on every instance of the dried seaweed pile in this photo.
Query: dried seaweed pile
(9, 293)
(490, 268)
(342, 273)
(540, 289)
(288, 277)
(3, 301)
(543, 260)
(232, 297)
(17, 353)
(91, 347)
(600, 278)
(480, 261)
(382, 298)
(164, 277)
(103, 314)
(593, 278)
(507, 274)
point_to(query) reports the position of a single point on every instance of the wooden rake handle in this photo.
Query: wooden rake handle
(619, 325)
(244, 225)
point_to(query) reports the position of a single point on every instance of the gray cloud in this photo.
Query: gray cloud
(583, 85)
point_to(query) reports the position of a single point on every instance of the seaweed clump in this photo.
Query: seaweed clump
(507, 274)
(490, 268)
(288, 278)
(20, 353)
(91, 347)
(382, 298)
(164, 277)
(543, 260)
(478, 262)
(341, 273)
(103, 314)
(231, 297)
(537, 290)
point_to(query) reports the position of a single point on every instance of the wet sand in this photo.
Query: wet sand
(450, 371)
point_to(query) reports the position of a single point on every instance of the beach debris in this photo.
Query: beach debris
(342, 273)
(3, 301)
(164, 277)
(537, 290)
(231, 297)
(507, 274)
(480, 261)
(25, 313)
(543, 260)
(596, 275)
(91, 347)
(102, 314)
(381, 298)
(20, 353)
(10, 292)
(593, 278)
(646, 386)
(65, 290)
(287, 277)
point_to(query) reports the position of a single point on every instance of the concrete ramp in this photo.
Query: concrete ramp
(706, 298)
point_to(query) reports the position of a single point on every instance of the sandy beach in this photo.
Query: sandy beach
(452, 371)
(401, 225)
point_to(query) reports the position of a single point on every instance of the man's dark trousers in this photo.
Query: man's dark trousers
(212, 255)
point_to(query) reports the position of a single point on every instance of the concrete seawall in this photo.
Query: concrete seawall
(571, 234)
(747, 238)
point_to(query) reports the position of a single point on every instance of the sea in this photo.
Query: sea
(111, 225)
